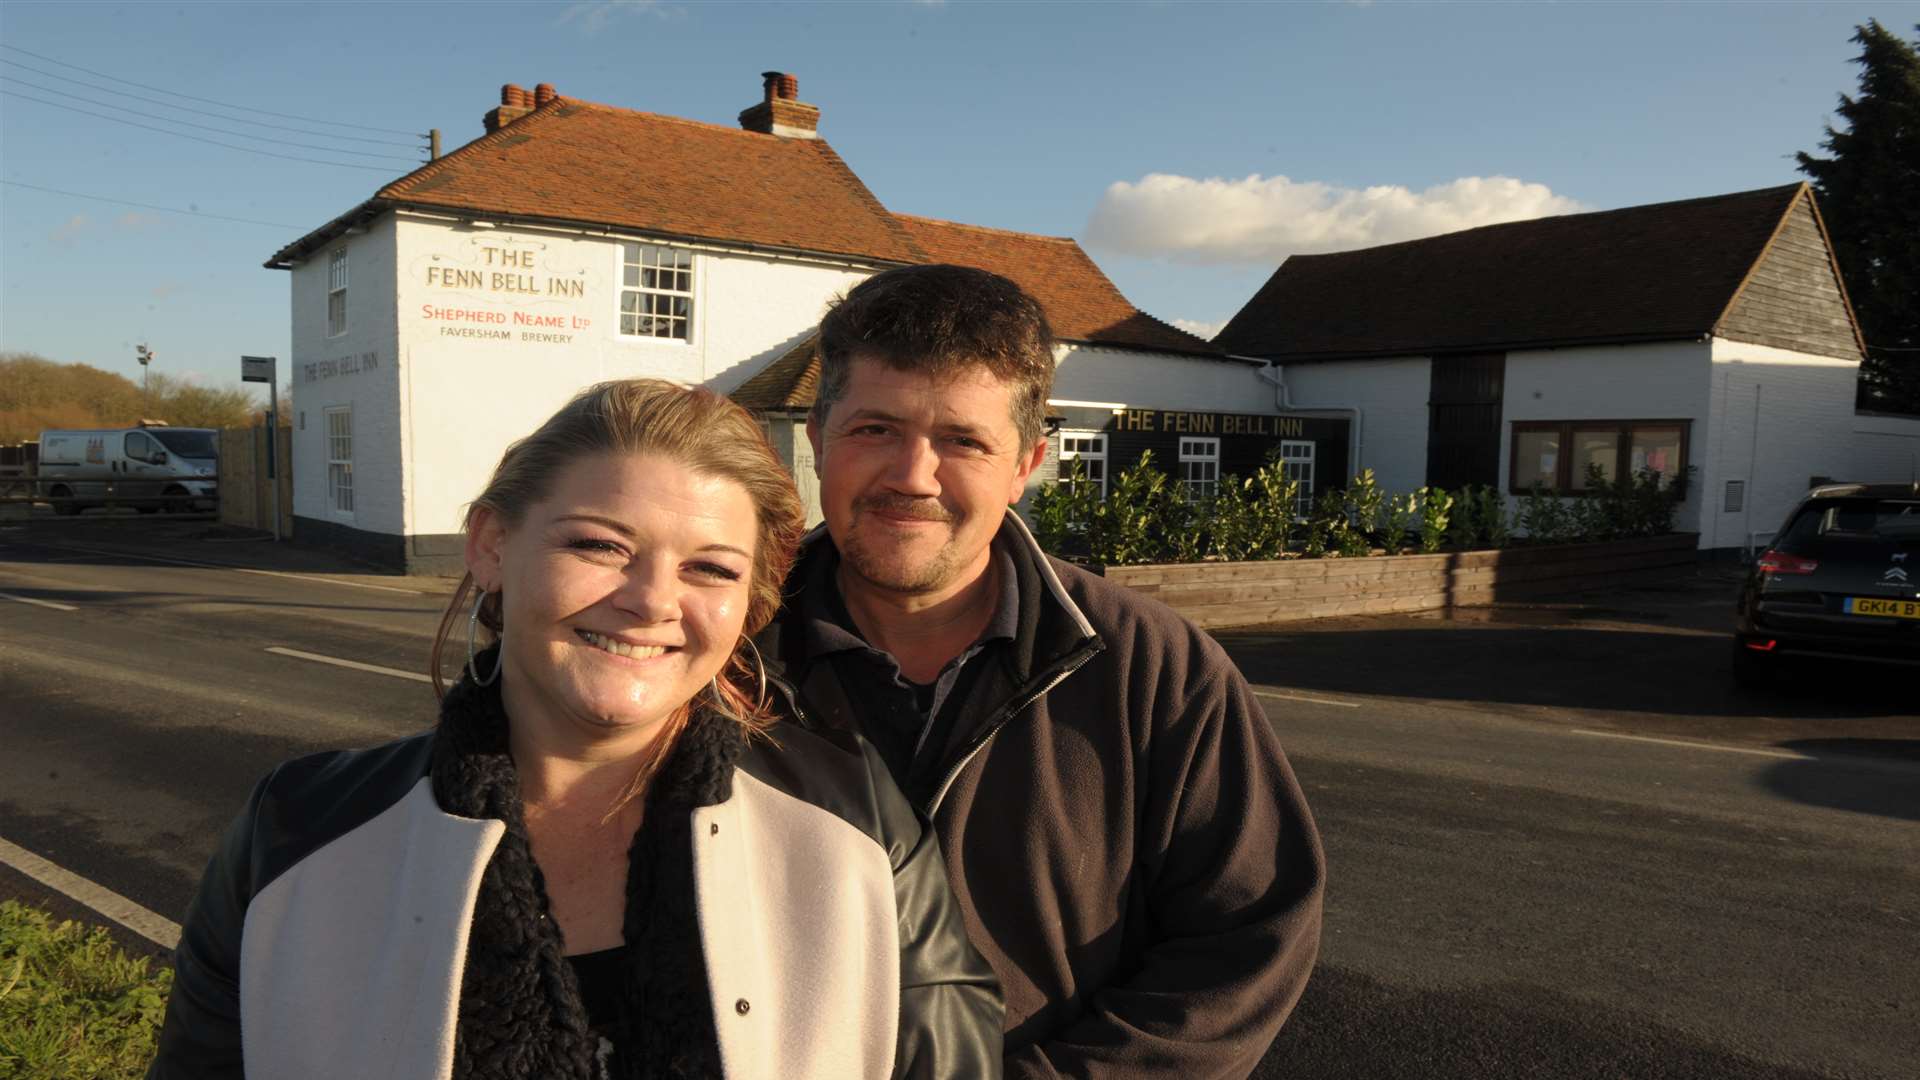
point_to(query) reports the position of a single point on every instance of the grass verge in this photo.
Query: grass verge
(72, 1003)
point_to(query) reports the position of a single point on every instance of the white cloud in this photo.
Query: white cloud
(1264, 219)
(64, 232)
(134, 220)
(1200, 329)
(594, 15)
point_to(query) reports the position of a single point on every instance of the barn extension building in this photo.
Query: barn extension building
(1708, 339)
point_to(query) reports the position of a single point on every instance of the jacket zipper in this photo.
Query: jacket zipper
(1073, 664)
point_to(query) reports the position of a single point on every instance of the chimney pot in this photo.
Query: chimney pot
(544, 93)
(510, 94)
(782, 113)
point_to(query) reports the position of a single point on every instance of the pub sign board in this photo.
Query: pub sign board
(1244, 439)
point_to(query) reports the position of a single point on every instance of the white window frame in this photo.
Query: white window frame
(337, 292)
(1297, 462)
(634, 255)
(1088, 448)
(339, 436)
(1199, 467)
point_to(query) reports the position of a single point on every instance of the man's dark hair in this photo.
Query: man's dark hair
(942, 321)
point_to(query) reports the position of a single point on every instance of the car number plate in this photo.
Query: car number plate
(1893, 609)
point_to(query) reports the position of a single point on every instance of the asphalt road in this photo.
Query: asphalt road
(1560, 845)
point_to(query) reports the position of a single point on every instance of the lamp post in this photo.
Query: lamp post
(145, 356)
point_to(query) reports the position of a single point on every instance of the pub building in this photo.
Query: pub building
(459, 305)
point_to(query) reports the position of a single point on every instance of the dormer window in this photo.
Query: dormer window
(656, 291)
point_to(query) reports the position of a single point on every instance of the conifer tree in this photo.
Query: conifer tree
(1869, 192)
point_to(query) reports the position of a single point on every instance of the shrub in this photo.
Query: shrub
(1435, 505)
(1253, 518)
(1123, 529)
(1401, 513)
(1463, 523)
(1494, 524)
(1545, 517)
(1060, 512)
(1363, 499)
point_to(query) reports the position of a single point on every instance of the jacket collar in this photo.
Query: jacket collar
(1051, 628)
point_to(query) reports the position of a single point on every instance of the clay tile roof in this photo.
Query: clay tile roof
(1081, 303)
(1645, 273)
(581, 162)
(790, 382)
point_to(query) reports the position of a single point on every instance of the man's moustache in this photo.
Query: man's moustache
(905, 506)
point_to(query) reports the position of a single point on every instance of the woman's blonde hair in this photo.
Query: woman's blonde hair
(697, 428)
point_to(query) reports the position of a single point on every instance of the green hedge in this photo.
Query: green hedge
(1147, 518)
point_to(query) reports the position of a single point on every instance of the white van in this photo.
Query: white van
(149, 468)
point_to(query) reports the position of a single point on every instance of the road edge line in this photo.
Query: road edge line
(1308, 700)
(1687, 744)
(154, 927)
(320, 658)
(37, 603)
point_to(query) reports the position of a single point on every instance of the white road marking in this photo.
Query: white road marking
(1690, 745)
(250, 570)
(38, 603)
(1308, 700)
(356, 665)
(155, 928)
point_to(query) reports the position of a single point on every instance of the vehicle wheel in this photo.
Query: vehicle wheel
(1752, 670)
(175, 503)
(64, 509)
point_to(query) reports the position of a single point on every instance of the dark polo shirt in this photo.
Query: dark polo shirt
(909, 723)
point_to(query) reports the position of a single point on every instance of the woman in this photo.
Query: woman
(602, 862)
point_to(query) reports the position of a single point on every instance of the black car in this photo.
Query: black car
(1841, 581)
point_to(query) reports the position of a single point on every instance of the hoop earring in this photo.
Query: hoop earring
(759, 663)
(473, 625)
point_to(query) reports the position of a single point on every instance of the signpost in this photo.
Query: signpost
(265, 369)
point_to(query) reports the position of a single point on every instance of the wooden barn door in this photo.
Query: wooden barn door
(1463, 420)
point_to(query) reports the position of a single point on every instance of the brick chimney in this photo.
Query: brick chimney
(782, 112)
(516, 102)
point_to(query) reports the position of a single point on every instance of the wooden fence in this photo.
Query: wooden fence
(245, 499)
(1252, 593)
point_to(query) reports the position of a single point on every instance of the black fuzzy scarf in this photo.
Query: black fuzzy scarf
(520, 1011)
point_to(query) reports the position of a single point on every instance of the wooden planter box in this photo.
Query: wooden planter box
(1249, 593)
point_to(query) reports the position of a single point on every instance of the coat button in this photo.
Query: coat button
(714, 829)
(742, 1007)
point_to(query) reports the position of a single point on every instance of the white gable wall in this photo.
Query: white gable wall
(1391, 395)
(355, 369)
(1658, 381)
(484, 364)
(1779, 418)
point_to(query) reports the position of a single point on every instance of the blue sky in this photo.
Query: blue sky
(1189, 146)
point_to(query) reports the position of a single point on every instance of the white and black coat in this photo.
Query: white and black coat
(377, 913)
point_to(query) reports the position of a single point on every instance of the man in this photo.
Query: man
(1128, 843)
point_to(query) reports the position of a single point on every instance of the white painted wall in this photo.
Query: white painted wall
(1159, 380)
(356, 369)
(1778, 418)
(1392, 397)
(1885, 448)
(467, 396)
(1665, 380)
